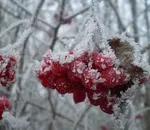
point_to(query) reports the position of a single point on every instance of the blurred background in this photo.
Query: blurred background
(55, 25)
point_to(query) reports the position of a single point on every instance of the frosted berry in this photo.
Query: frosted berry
(102, 62)
(76, 69)
(106, 104)
(58, 69)
(84, 57)
(95, 96)
(63, 85)
(4, 105)
(90, 78)
(8, 64)
(113, 77)
(48, 58)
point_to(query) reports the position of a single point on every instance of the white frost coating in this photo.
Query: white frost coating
(20, 41)
(13, 122)
(120, 109)
(13, 25)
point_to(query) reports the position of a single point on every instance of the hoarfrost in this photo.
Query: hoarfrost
(13, 122)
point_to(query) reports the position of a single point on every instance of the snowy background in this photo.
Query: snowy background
(32, 27)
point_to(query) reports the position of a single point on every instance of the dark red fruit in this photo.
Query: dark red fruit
(79, 96)
(95, 96)
(63, 85)
(90, 78)
(76, 69)
(113, 77)
(102, 62)
(58, 69)
(106, 104)
(4, 105)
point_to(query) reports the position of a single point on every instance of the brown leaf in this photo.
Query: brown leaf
(124, 52)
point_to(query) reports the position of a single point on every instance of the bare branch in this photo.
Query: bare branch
(117, 15)
(11, 27)
(30, 14)
(76, 14)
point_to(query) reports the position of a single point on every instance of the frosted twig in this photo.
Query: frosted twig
(33, 20)
(117, 15)
(76, 14)
(12, 26)
(59, 24)
(29, 13)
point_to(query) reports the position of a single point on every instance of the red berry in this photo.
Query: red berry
(63, 85)
(77, 87)
(79, 96)
(8, 64)
(47, 79)
(91, 78)
(48, 58)
(4, 105)
(113, 77)
(101, 62)
(58, 69)
(76, 70)
(106, 104)
(84, 57)
(95, 96)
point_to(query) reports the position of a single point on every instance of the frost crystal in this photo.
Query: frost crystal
(13, 122)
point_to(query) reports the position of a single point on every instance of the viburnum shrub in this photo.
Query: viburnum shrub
(89, 74)
(8, 64)
(4, 105)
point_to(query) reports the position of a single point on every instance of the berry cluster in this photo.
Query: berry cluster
(8, 64)
(90, 74)
(4, 105)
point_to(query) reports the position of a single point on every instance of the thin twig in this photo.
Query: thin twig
(76, 14)
(30, 14)
(33, 20)
(117, 15)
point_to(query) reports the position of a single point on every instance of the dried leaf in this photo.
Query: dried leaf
(124, 53)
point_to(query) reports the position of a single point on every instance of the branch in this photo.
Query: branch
(12, 26)
(76, 14)
(33, 20)
(58, 26)
(30, 14)
(117, 15)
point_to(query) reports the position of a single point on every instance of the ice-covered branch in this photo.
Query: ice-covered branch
(29, 13)
(13, 25)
